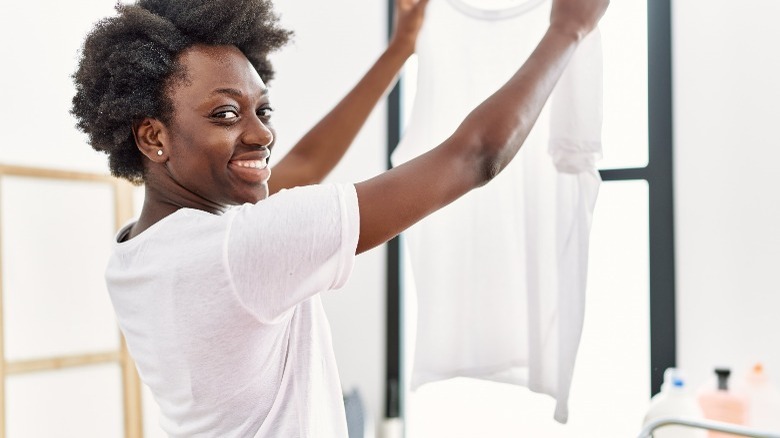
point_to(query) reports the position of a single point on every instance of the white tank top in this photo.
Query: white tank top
(500, 274)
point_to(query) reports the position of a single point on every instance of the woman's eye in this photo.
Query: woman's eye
(265, 112)
(226, 115)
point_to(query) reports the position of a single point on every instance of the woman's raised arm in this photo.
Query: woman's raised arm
(485, 142)
(320, 150)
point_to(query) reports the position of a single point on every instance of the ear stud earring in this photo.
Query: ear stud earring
(159, 152)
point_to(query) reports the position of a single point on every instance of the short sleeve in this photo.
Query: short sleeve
(295, 244)
(576, 111)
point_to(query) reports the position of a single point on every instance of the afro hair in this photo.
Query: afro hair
(129, 60)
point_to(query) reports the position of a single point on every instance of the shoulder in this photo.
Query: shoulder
(298, 216)
(318, 199)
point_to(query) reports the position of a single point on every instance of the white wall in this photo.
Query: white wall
(40, 41)
(727, 154)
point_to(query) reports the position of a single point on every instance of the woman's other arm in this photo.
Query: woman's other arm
(318, 152)
(484, 143)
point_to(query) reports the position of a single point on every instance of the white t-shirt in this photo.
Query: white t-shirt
(223, 317)
(500, 273)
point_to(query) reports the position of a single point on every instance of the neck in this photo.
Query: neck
(161, 200)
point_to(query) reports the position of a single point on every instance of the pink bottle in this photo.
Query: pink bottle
(722, 405)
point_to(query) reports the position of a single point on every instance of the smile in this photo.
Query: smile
(253, 164)
(251, 171)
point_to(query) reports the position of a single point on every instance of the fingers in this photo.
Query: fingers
(406, 5)
(579, 16)
(409, 18)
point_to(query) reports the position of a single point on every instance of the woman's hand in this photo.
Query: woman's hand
(577, 17)
(409, 17)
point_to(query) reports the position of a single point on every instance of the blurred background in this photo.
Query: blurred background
(715, 301)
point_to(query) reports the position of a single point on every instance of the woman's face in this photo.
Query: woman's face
(219, 138)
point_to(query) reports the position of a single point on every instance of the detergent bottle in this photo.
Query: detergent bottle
(674, 400)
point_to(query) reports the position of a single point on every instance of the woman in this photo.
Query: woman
(216, 285)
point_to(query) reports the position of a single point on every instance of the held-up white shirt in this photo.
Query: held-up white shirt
(223, 317)
(500, 273)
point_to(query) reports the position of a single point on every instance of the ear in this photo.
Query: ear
(149, 136)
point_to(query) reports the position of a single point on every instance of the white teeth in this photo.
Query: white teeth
(255, 164)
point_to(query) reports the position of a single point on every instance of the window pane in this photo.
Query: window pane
(611, 386)
(624, 36)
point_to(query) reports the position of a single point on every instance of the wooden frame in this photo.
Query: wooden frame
(131, 384)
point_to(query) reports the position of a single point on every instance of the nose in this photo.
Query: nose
(258, 133)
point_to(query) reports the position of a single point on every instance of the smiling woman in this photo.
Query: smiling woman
(217, 285)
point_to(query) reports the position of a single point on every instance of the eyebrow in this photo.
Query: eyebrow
(234, 92)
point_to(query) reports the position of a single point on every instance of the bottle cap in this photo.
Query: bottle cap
(723, 378)
(757, 376)
(673, 378)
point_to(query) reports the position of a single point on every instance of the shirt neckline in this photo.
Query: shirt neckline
(494, 14)
(143, 235)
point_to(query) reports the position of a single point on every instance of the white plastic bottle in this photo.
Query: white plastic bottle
(763, 400)
(674, 400)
